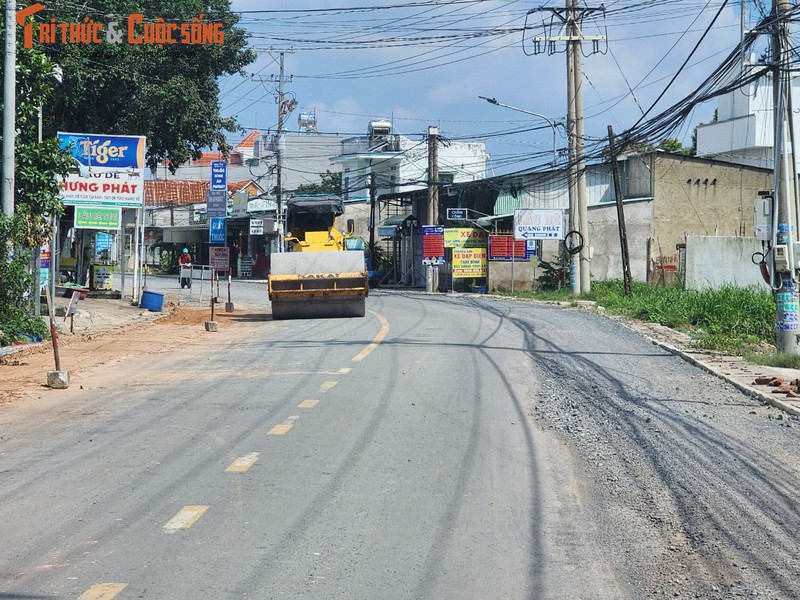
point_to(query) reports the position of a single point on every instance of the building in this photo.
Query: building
(744, 131)
(666, 197)
(304, 156)
(398, 165)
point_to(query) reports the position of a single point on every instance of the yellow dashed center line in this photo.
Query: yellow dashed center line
(377, 340)
(345, 370)
(281, 429)
(243, 463)
(327, 385)
(186, 517)
(103, 591)
(308, 404)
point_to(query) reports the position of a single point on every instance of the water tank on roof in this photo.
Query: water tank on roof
(307, 121)
(379, 128)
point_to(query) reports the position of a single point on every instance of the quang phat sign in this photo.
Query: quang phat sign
(538, 224)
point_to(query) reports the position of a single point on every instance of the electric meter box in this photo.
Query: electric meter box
(763, 218)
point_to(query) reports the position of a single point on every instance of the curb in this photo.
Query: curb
(747, 389)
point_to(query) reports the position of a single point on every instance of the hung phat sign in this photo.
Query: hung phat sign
(108, 170)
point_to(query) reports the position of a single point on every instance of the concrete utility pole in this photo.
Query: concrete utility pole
(9, 111)
(786, 296)
(571, 17)
(572, 168)
(580, 158)
(280, 146)
(373, 193)
(433, 196)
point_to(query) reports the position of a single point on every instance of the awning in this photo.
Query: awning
(392, 226)
(398, 220)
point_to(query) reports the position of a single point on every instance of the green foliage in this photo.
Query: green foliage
(169, 263)
(730, 319)
(331, 183)
(552, 276)
(380, 259)
(35, 196)
(16, 314)
(781, 360)
(674, 146)
(168, 93)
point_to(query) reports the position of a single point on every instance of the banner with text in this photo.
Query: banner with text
(469, 262)
(108, 170)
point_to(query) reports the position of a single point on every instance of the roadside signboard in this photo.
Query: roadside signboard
(469, 262)
(505, 247)
(219, 258)
(465, 237)
(108, 170)
(256, 226)
(216, 230)
(216, 203)
(432, 244)
(239, 204)
(97, 217)
(538, 224)
(219, 175)
(457, 214)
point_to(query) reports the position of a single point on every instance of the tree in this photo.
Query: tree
(674, 146)
(330, 183)
(168, 93)
(36, 200)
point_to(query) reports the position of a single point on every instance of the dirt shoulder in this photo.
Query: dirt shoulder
(107, 335)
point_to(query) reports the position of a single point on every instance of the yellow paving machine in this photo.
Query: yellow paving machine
(317, 277)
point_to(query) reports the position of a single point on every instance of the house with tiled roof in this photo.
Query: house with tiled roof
(173, 202)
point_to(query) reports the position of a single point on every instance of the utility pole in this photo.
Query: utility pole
(572, 153)
(9, 112)
(570, 19)
(623, 234)
(373, 191)
(433, 196)
(786, 294)
(280, 147)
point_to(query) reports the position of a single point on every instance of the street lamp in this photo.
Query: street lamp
(550, 122)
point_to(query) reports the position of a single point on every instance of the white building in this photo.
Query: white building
(400, 164)
(304, 157)
(744, 131)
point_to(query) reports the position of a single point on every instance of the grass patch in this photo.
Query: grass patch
(737, 320)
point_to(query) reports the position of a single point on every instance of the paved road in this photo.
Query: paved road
(439, 448)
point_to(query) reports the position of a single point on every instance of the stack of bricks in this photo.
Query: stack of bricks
(790, 389)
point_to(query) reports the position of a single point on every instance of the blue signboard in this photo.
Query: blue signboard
(216, 230)
(219, 175)
(216, 203)
(457, 214)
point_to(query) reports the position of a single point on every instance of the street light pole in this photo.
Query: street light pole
(550, 121)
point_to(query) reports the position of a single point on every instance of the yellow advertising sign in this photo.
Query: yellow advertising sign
(465, 237)
(469, 262)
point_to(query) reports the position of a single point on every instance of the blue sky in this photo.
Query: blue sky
(426, 63)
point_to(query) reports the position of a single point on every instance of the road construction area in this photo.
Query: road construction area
(442, 446)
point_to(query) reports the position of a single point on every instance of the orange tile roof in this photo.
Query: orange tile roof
(179, 192)
(174, 192)
(250, 140)
(234, 158)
